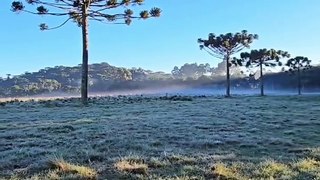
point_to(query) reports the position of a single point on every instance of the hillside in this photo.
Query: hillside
(67, 79)
(107, 78)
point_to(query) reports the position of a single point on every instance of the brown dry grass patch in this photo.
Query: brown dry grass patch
(131, 167)
(68, 168)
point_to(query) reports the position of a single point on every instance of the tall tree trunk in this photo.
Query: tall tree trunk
(261, 80)
(85, 56)
(299, 82)
(228, 76)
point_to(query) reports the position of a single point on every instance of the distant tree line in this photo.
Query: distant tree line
(106, 78)
(203, 71)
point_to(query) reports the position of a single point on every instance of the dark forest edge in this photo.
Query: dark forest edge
(104, 78)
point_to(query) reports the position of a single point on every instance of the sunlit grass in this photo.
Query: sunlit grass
(131, 166)
(308, 167)
(315, 153)
(222, 171)
(65, 168)
(274, 170)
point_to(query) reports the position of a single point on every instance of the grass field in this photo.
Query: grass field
(162, 138)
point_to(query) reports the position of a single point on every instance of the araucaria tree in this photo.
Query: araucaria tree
(296, 65)
(263, 57)
(81, 11)
(225, 45)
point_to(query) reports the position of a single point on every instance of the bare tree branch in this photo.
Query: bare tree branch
(213, 54)
(62, 24)
(53, 14)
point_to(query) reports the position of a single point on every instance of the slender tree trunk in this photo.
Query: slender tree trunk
(228, 77)
(85, 56)
(299, 82)
(261, 80)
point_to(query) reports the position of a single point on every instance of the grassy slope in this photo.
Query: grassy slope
(167, 138)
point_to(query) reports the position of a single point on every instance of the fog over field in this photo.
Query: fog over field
(171, 91)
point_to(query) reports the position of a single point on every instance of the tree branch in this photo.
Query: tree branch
(57, 5)
(53, 14)
(212, 54)
(69, 4)
(111, 17)
(103, 21)
(60, 24)
(105, 6)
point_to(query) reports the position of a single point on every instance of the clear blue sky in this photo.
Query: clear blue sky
(159, 44)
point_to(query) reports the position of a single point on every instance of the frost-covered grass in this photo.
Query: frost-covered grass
(161, 138)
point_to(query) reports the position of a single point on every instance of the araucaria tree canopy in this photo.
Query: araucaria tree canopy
(225, 45)
(263, 57)
(296, 65)
(81, 11)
